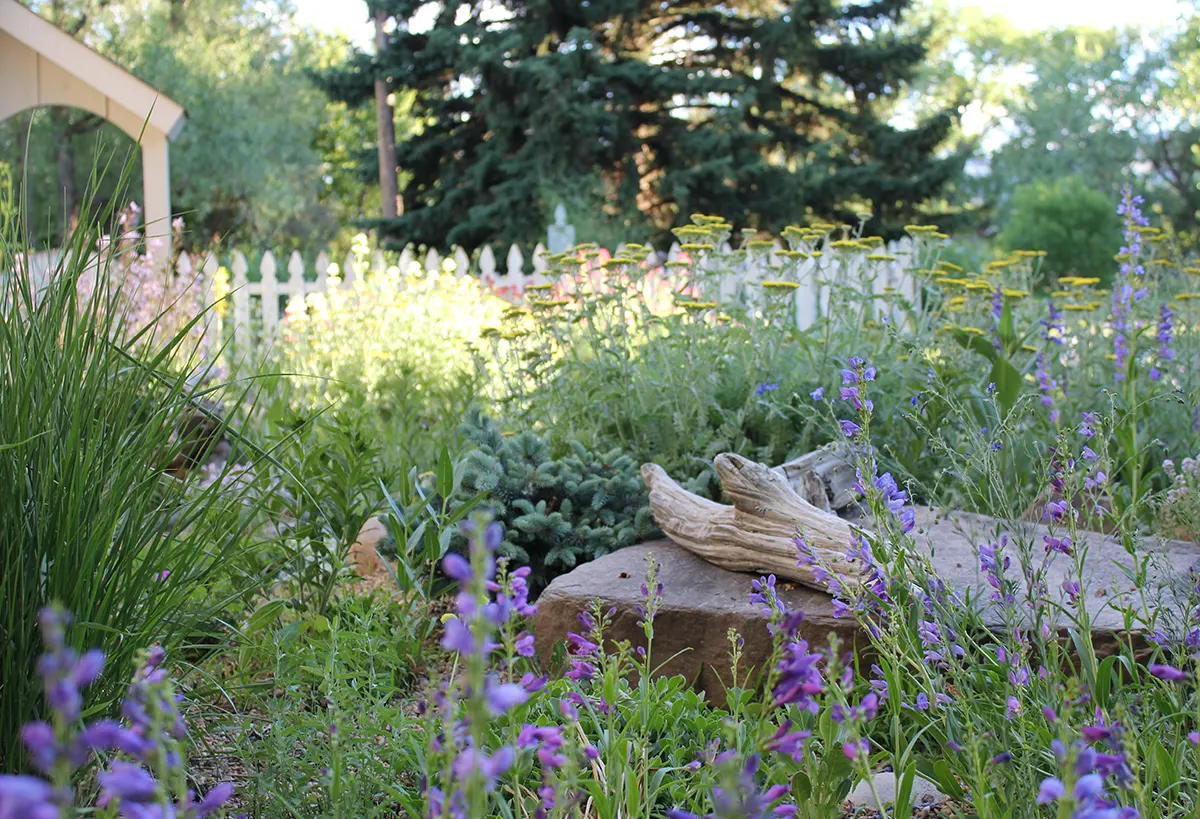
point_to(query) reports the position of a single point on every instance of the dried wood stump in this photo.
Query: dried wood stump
(757, 533)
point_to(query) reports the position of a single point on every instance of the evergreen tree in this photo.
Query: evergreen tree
(646, 111)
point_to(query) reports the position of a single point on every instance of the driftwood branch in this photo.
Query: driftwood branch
(757, 533)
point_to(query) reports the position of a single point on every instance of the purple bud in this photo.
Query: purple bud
(1051, 791)
(525, 645)
(1168, 673)
(456, 567)
(128, 783)
(89, 667)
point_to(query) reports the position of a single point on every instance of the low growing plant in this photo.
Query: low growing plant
(556, 512)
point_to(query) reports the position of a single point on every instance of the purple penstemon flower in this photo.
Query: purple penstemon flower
(994, 564)
(134, 778)
(789, 742)
(855, 378)
(1127, 289)
(463, 768)
(1168, 672)
(1054, 328)
(799, 677)
(1047, 386)
(896, 499)
(738, 795)
(1164, 337)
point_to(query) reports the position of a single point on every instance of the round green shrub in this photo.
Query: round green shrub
(1073, 223)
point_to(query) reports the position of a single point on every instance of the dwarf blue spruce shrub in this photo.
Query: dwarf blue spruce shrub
(556, 512)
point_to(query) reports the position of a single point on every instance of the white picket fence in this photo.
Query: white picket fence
(250, 322)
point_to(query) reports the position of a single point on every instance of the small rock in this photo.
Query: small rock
(364, 554)
(924, 792)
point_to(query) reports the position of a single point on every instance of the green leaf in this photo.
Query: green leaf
(903, 804)
(1006, 329)
(975, 343)
(943, 775)
(1167, 769)
(801, 787)
(1104, 681)
(264, 616)
(1008, 383)
(445, 473)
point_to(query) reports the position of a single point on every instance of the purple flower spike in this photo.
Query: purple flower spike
(856, 749)
(89, 668)
(127, 782)
(502, 697)
(26, 797)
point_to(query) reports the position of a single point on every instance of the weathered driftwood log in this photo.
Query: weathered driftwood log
(757, 533)
(824, 477)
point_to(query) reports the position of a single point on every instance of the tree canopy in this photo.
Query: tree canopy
(646, 112)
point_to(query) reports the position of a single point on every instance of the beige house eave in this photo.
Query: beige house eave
(40, 65)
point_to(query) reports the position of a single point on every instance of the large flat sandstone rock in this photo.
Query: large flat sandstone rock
(701, 602)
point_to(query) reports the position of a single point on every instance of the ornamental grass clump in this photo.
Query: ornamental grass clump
(93, 511)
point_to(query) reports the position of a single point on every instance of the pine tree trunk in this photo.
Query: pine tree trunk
(388, 186)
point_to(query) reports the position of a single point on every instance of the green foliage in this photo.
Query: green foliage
(91, 514)
(557, 512)
(350, 669)
(1075, 224)
(422, 518)
(325, 486)
(790, 114)
(397, 349)
(625, 362)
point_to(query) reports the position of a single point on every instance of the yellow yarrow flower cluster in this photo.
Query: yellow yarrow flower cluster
(220, 290)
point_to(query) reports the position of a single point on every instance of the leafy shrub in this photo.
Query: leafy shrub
(326, 481)
(556, 512)
(1076, 226)
(592, 359)
(397, 348)
(89, 514)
